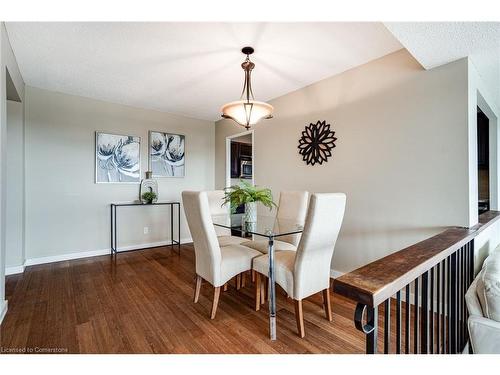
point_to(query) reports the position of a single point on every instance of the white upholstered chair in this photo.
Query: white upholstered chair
(292, 206)
(215, 199)
(306, 271)
(215, 264)
(483, 304)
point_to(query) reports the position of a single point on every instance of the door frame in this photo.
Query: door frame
(228, 155)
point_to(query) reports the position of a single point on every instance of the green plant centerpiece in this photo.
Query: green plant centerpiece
(249, 195)
(149, 197)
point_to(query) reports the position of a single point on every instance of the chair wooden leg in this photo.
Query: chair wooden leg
(253, 275)
(215, 302)
(257, 291)
(299, 317)
(243, 279)
(263, 285)
(225, 287)
(197, 288)
(238, 282)
(327, 305)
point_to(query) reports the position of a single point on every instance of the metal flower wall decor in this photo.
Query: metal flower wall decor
(316, 143)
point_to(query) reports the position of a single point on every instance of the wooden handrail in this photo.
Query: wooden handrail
(375, 282)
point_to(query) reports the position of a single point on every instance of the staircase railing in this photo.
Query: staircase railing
(418, 292)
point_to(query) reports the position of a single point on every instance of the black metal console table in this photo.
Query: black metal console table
(114, 240)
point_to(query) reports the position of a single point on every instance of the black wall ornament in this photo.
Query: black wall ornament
(316, 143)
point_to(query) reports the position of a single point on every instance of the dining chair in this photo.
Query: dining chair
(214, 263)
(215, 200)
(306, 271)
(292, 206)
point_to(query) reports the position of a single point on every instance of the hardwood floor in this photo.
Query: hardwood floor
(142, 302)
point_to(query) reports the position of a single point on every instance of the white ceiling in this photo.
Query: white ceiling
(189, 68)
(438, 43)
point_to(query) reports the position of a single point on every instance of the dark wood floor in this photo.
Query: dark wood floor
(141, 302)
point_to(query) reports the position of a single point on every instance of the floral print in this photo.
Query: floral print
(167, 154)
(117, 158)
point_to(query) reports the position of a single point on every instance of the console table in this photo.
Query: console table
(114, 236)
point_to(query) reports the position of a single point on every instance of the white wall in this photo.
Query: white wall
(401, 152)
(15, 187)
(66, 212)
(7, 61)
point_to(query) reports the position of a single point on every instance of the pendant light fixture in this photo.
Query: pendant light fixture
(247, 111)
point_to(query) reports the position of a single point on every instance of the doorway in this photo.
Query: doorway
(483, 161)
(240, 160)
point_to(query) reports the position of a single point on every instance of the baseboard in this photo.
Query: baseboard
(14, 270)
(3, 310)
(94, 253)
(63, 257)
(151, 244)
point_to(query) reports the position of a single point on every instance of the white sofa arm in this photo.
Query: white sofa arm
(484, 335)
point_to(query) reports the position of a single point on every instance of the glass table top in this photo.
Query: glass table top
(266, 226)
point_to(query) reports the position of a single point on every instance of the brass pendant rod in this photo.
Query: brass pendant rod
(247, 66)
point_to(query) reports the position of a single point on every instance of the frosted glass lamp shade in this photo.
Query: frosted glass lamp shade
(247, 112)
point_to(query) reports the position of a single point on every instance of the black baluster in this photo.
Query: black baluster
(407, 319)
(444, 322)
(459, 300)
(415, 318)
(398, 322)
(464, 290)
(471, 272)
(431, 314)
(471, 262)
(424, 340)
(387, 326)
(448, 308)
(467, 268)
(453, 303)
(462, 297)
(438, 301)
(466, 287)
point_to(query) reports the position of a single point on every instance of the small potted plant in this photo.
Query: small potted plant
(148, 197)
(248, 195)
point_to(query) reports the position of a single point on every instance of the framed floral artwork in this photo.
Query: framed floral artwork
(166, 154)
(117, 158)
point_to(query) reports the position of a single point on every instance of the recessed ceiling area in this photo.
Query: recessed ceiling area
(438, 43)
(189, 68)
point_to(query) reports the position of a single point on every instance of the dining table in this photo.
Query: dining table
(269, 227)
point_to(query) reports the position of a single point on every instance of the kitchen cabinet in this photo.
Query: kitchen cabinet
(239, 151)
(235, 165)
(245, 150)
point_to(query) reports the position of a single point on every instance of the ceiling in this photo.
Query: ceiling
(189, 68)
(438, 43)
